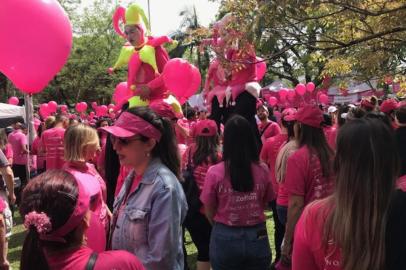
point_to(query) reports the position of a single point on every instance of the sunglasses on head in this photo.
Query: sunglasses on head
(123, 141)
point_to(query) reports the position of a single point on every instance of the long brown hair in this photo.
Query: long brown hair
(316, 142)
(366, 167)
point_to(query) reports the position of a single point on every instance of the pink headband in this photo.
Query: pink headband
(128, 125)
(43, 223)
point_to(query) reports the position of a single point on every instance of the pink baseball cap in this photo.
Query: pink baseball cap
(128, 125)
(163, 109)
(389, 105)
(205, 128)
(289, 114)
(310, 115)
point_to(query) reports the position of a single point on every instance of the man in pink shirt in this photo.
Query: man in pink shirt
(266, 127)
(18, 141)
(52, 141)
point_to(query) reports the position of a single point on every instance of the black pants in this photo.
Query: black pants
(200, 231)
(220, 114)
(20, 172)
(279, 231)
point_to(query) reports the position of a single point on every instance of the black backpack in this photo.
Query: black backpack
(190, 187)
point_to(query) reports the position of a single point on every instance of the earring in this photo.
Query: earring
(147, 154)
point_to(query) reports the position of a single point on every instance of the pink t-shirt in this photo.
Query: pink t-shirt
(304, 176)
(8, 152)
(99, 222)
(188, 125)
(331, 135)
(269, 153)
(52, 141)
(124, 171)
(38, 150)
(401, 183)
(108, 260)
(268, 130)
(18, 139)
(309, 252)
(235, 208)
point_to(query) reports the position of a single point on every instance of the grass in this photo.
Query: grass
(17, 239)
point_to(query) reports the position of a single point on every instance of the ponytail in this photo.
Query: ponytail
(32, 252)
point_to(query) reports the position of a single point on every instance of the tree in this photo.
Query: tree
(359, 39)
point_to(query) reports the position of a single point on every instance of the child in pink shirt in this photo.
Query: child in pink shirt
(81, 145)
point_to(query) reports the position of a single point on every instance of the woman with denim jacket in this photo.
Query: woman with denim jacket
(151, 206)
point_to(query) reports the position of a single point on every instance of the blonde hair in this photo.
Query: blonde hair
(76, 138)
(50, 122)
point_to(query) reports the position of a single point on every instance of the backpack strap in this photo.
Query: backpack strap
(91, 262)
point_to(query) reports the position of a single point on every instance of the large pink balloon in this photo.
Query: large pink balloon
(194, 82)
(13, 101)
(121, 93)
(94, 105)
(43, 110)
(261, 69)
(310, 87)
(300, 89)
(291, 95)
(181, 78)
(272, 101)
(52, 106)
(36, 39)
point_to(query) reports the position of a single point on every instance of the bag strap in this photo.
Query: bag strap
(92, 261)
(264, 129)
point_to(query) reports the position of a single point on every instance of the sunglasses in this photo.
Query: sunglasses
(123, 141)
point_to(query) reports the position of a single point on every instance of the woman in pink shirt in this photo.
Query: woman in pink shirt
(354, 227)
(200, 156)
(235, 195)
(81, 144)
(308, 170)
(55, 207)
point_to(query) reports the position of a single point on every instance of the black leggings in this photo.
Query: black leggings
(200, 231)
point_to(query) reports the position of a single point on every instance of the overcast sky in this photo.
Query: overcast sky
(165, 13)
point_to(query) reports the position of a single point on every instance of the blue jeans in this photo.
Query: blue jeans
(239, 247)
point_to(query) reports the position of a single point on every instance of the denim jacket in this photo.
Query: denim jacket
(150, 223)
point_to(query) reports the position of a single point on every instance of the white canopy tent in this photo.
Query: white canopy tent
(11, 111)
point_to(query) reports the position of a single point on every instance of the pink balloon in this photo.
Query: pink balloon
(13, 101)
(43, 110)
(35, 44)
(121, 93)
(300, 89)
(272, 101)
(63, 108)
(261, 69)
(310, 87)
(94, 105)
(194, 83)
(52, 106)
(181, 78)
(282, 93)
(323, 99)
(81, 107)
(101, 110)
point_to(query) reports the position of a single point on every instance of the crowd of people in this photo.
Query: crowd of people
(333, 178)
(121, 193)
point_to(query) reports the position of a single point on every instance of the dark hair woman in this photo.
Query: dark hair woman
(151, 206)
(308, 170)
(55, 207)
(200, 155)
(235, 194)
(350, 229)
